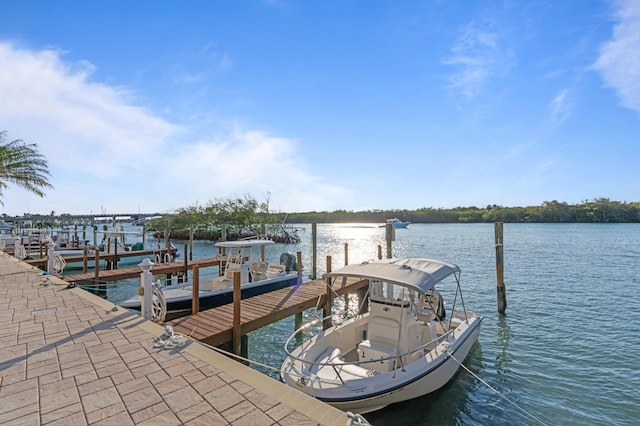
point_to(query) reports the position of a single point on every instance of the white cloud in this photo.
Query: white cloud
(107, 152)
(561, 107)
(477, 57)
(619, 60)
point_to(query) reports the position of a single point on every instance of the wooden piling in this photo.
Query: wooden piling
(237, 330)
(314, 250)
(299, 265)
(389, 239)
(326, 310)
(297, 323)
(263, 231)
(115, 254)
(185, 271)
(190, 243)
(501, 291)
(346, 254)
(96, 269)
(195, 288)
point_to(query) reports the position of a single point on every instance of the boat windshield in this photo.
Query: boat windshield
(381, 291)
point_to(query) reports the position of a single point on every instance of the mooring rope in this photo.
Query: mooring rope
(501, 395)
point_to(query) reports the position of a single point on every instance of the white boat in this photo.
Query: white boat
(256, 277)
(397, 223)
(404, 347)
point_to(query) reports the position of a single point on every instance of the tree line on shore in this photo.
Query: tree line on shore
(245, 217)
(600, 210)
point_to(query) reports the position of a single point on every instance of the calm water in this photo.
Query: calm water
(567, 351)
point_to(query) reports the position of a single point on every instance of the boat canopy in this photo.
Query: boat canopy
(419, 274)
(244, 243)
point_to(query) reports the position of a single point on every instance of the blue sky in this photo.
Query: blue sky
(148, 106)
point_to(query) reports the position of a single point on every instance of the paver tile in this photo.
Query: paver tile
(101, 399)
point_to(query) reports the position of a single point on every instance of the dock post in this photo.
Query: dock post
(185, 269)
(114, 266)
(146, 280)
(96, 269)
(107, 250)
(389, 238)
(314, 250)
(51, 254)
(237, 329)
(346, 254)
(263, 231)
(379, 252)
(85, 260)
(297, 323)
(501, 291)
(190, 243)
(299, 265)
(328, 301)
(195, 288)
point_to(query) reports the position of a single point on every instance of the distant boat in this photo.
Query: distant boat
(397, 223)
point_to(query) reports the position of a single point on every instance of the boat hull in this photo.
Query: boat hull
(211, 299)
(419, 385)
(417, 379)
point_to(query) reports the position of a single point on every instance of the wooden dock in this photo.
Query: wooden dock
(109, 257)
(135, 271)
(215, 326)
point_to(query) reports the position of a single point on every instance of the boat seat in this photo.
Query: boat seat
(274, 270)
(383, 340)
(384, 330)
(332, 367)
(233, 267)
(259, 270)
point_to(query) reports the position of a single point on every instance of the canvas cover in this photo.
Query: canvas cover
(420, 274)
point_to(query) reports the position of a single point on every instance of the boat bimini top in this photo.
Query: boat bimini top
(244, 243)
(419, 274)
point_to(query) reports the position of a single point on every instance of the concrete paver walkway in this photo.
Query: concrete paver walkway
(68, 357)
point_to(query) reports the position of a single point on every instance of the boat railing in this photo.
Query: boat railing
(339, 365)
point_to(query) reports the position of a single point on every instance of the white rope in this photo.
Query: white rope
(59, 263)
(158, 302)
(19, 251)
(357, 419)
(169, 340)
(522, 410)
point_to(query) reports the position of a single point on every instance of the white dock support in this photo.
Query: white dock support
(146, 281)
(51, 254)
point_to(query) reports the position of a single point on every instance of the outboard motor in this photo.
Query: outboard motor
(288, 260)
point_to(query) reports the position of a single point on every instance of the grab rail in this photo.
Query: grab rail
(335, 366)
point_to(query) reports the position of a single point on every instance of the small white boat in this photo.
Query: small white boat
(256, 277)
(397, 223)
(404, 347)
